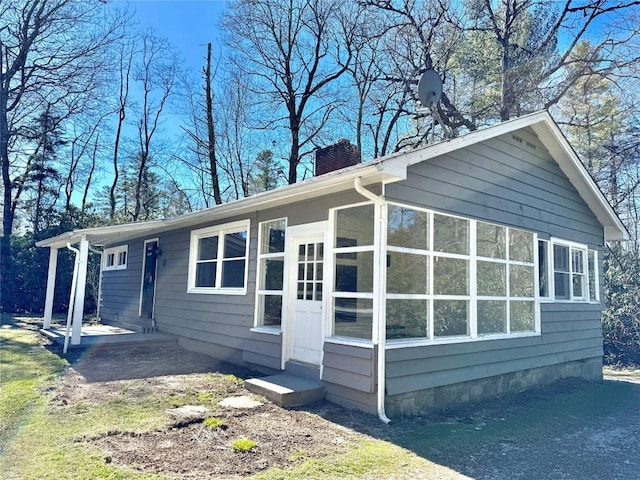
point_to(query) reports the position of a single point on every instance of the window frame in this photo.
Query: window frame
(473, 297)
(584, 250)
(258, 324)
(221, 231)
(331, 252)
(117, 255)
(548, 249)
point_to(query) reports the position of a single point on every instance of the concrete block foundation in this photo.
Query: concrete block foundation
(423, 401)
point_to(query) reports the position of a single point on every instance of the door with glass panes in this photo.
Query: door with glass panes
(307, 334)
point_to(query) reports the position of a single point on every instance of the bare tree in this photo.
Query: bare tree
(155, 73)
(290, 48)
(126, 54)
(202, 133)
(419, 35)
(51, 56)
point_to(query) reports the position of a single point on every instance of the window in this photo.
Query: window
(451, 277)
(575, 275)
(544, 270)
(271, 255)
(353, 275)
(218, 259)
(115, 258)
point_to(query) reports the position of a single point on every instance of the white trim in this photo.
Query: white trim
(421, 342)
(220, 230)
(155, 280)
(596, 271)
(353, 342)
(267, 330)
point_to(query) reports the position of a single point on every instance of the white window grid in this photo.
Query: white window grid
(221, 231)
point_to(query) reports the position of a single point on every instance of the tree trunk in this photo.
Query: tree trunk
(211, 132)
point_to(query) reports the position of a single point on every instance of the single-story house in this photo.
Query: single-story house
(456, 271)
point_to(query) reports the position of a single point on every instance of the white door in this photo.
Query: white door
(306, 324)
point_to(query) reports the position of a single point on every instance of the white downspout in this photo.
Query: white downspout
(381, 333)
(98, 307)
(72, 296)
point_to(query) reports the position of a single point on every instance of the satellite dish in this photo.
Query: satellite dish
(429, 88)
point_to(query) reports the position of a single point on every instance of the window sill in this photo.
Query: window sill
(267, 330)
(353, 342)
(218, 291)
(394, 344)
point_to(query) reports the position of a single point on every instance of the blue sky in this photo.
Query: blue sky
(188, 25)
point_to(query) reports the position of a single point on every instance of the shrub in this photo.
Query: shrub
(214, 423)
(243, 445)
(621, 318)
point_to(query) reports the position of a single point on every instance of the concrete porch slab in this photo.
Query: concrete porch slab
(286, 390)
(106, 334)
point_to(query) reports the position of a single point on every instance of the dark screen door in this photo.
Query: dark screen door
(149, 279)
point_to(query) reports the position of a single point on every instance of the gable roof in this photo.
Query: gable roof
(387, 169)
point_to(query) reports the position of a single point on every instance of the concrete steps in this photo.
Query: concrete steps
(139, 326)
(287, 390)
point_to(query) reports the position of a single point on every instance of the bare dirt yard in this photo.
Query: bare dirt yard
(187, 448)
(569, 430)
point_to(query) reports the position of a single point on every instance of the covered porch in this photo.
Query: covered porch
(74, 334)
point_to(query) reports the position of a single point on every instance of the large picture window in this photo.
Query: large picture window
(218, 259)
(450, 277)
(271, 255)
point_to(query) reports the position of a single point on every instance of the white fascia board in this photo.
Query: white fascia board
(568, 161)
(394, 162)
(332, 182)
(98, 235)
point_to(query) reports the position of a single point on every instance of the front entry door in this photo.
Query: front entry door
(149, 278)
(307, 328)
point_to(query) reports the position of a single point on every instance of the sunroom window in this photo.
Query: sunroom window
(353, 274)
(478, 279)
(270, 287)
(408, 269)
(218, 259)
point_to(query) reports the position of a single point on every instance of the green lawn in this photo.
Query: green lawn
(37, 440)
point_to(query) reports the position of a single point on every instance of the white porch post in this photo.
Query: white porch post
(78, 309)
(51, 286)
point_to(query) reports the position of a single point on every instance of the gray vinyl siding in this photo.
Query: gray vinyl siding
(508, 182)
(121, 288)
(219, 320)
(349, 365)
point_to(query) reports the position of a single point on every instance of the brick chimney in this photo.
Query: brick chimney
(334, 157)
